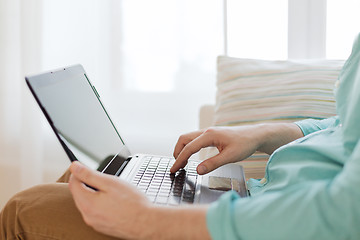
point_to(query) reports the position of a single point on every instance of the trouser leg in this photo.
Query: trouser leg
(65, 177)
(44, 212)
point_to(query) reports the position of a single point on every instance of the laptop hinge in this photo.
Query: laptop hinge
(122, 167)
(116, 165)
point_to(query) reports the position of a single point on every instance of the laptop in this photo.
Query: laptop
(73, 108)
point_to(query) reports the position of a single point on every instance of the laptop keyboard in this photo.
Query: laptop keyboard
(162, 187)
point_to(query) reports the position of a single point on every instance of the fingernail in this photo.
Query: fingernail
(201, 169)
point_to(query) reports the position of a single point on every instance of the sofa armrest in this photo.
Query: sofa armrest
(206, 116)
(206, 119)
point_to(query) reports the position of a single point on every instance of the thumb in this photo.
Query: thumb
(90, 177)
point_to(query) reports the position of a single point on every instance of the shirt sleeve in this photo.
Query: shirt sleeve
(322, 209)
(308, 126)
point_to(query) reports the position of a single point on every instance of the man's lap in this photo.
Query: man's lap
(45, 212)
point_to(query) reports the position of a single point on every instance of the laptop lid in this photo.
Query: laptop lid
(73, 108)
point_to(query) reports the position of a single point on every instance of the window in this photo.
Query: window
(296, 29)
(172, 47)
(343, 20)
(257, 29)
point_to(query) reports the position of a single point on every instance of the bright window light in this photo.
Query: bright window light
(257, 28)
(150, 44)
(343, 20)
(169, 45)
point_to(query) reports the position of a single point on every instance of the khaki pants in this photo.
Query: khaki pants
(45, 212)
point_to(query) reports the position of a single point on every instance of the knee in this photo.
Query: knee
(21, 210)
(9, 215)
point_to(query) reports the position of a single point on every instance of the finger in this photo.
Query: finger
(183, 164)
(214, 162)
(90, 177)
(194, 146)
(179, 166)
(82, 195)
(184, 140)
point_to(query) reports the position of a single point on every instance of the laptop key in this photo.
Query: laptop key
(151, 198)
(161, 200)
(164, 194)
(174, 200)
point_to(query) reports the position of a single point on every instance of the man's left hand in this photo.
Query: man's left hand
(115, 208)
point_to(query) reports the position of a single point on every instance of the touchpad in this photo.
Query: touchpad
(219, 183)
(224, 184)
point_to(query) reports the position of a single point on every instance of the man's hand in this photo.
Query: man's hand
(115, 209)
(234, 143)
(118, 209)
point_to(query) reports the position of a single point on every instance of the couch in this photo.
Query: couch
(251, 91)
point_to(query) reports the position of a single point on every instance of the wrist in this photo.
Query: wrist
(164, 223)
(263, 135)
(146, 226)
(275, 135)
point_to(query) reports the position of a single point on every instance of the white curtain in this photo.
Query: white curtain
(20, 53)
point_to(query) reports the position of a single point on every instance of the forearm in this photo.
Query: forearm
(275, 135)
(183, 222)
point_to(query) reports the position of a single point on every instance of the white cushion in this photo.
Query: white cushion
(253, 91)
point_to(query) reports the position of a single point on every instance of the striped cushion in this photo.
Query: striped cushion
(252, 91)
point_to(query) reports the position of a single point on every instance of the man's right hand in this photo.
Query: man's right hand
(234, 143)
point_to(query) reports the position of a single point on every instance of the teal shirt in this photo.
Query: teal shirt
(312, 187)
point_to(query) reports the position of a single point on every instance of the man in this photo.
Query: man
(310, 189)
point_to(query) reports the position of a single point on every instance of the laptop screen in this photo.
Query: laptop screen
(77, 115)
